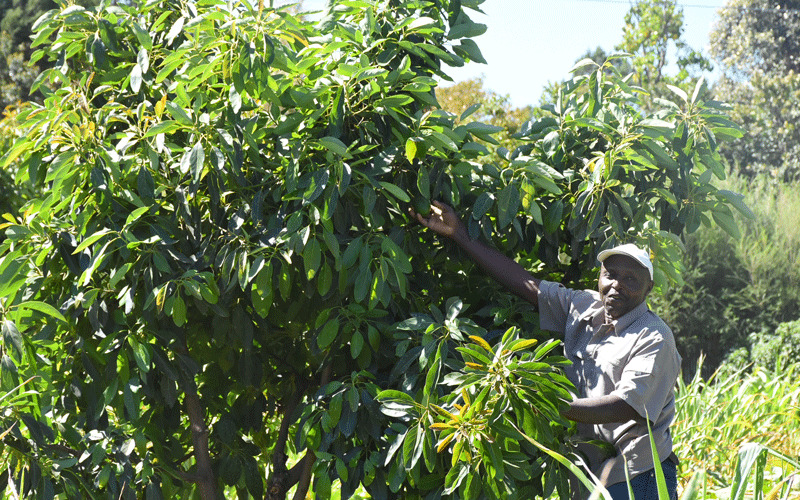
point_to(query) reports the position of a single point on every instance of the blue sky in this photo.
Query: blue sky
(531, 42)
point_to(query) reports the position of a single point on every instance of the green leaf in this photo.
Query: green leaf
(165, 127)
(135, 215)
(467, 29)
(413, 148)
(178, 310)
(142, 35)
(423, 182)
(328, 333)
(470, 51)
(136, 78)
(737, 200)
(726, 221)
(507, 205)
(197, 157)
(118, 274)
(90, 240)
(395, 101)
(179, 114)
(356, 344)
(395, 191)
(583, 63)
(679, 92)
(311, 258)
(319, 180)
(335, 145)
(395, 395)
(482, 205)
(42, 307)
(12, 337)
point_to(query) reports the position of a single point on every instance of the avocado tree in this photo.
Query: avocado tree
(220, 292)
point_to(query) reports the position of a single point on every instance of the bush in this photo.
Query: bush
(774, 351)
(737, 292)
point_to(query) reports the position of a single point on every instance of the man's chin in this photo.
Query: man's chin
(615, 309)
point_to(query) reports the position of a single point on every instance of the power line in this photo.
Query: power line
(695, 6)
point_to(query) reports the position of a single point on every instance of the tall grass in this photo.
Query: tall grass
(742, 433)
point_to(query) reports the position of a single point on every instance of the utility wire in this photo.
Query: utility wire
(696, 6)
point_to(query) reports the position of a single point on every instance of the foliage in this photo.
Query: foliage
(492, 109)
(653, 30)
(719, 418)
(622, 66)
(756, 45)
(12, 195)
(222, 272)
(15, 75)
(737, 290)
(777, 350)
(16, 19)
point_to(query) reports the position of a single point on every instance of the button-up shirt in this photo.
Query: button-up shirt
(633, 357)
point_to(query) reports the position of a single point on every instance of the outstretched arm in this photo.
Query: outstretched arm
(444, 221)
(601, 410)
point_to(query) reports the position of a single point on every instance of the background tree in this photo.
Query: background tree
(221, 278)
(757, 47)
(653, 30)
(652, 33)
(485, 106)
(16, 19)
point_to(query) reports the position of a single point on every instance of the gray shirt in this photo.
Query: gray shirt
(633, 357)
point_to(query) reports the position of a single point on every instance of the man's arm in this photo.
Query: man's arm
(601, 410)
(444, 221)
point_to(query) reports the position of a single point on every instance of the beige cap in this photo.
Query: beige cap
(638, 254)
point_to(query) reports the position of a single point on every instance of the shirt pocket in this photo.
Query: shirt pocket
(609, 364)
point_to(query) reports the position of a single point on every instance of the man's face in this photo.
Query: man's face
(623, 285)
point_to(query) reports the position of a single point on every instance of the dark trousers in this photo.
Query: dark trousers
(645, 486)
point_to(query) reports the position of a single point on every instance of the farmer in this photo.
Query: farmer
(624, 361)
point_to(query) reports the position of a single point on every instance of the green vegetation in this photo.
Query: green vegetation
(209, 284)
(737, 292)
(722, 423)
(220, 271)
(756, 45)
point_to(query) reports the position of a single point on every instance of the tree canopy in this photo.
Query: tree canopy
(757, 44)
(220, 291)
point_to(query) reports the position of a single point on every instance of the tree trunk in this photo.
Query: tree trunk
(206, 483)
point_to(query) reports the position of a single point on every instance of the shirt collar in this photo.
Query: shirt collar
(621, 324)
(596, 316)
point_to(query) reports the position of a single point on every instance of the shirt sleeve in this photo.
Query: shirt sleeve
(554, 305)
(649, 377)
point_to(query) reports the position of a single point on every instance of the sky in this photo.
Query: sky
(531, 42)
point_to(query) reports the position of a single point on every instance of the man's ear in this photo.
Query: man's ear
(649, 288)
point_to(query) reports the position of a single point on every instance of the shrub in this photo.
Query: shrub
(774, 351)
(736, 292)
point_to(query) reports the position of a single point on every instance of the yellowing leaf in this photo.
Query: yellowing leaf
(438, 426)
(481, 342)
(441, 411)
(443, 444)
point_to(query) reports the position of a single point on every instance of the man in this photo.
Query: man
(625, 363)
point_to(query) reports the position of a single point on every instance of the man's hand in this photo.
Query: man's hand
(444, 221)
